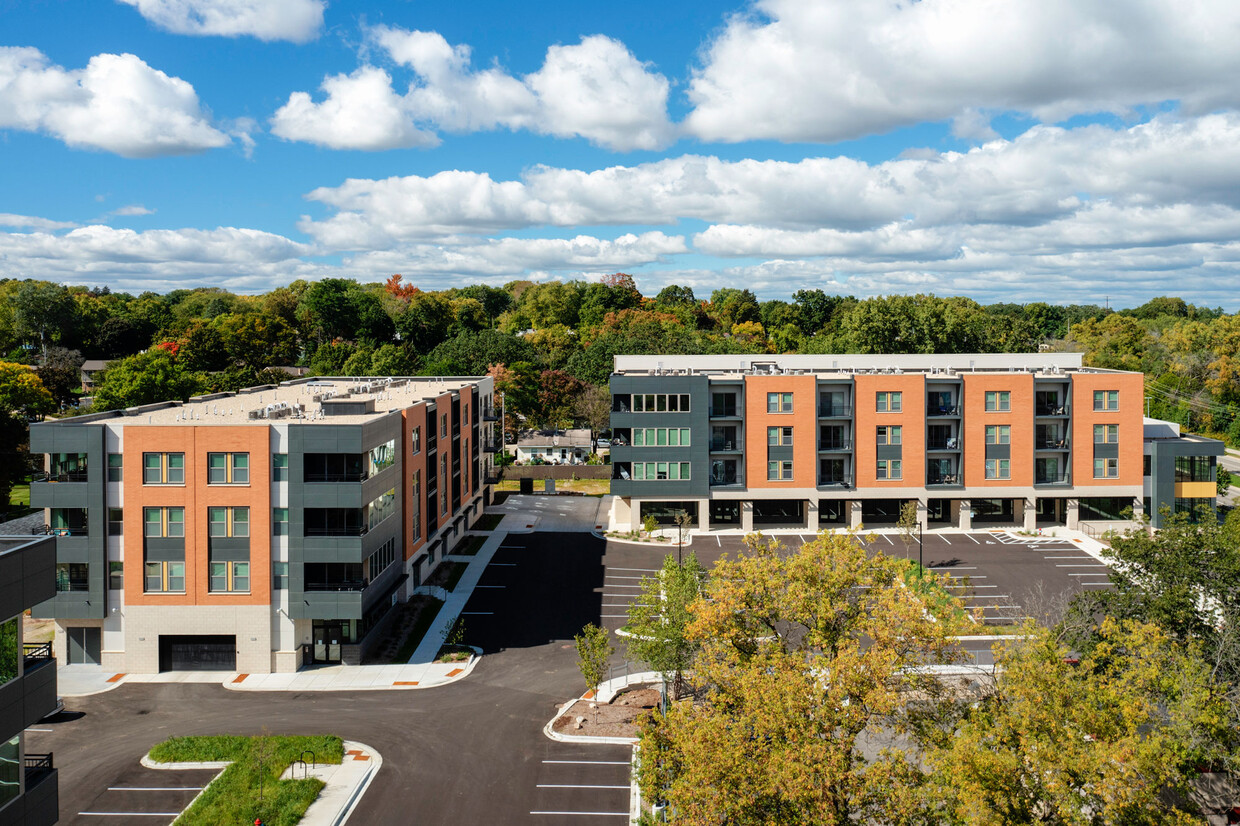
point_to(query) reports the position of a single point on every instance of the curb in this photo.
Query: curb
(376, 763)
(653, 544)
(581, 738)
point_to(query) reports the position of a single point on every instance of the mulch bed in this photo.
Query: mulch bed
(615, 719)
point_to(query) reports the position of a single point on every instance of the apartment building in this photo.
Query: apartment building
(808, 441)
(1180, 474)
(28, 783)
(258, 531)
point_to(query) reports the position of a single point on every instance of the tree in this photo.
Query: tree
(61, 373)
(154, 376)
(327, 309)
(594, 650)
(1117, 738)
(471, 353)
(425, 321)
(22, 398)
(41, 311)
(908, 524)
(802, 656)
(659, 619)
(1222, 480)
(593, 406)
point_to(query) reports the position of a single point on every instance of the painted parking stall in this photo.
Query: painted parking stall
(147, 796)
(583, 783)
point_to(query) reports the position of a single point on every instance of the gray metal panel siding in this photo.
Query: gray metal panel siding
(697, 420)
(67, 437)
(329, 605)
(27, 576)
(890, 452)
(229, 549)
(998, 451)
(161, 549)
(1163, 453)
(1106, 451)
(781, 453)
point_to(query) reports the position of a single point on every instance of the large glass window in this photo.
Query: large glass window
(1106, 400)
(116, 576)
(1104, 507)
(661, 403)
(163, 522)
(661, 436)
(890, 469)
(779, 471)
(279, 521)
(1193, 468)
(1106, 434)
(889, 434)
(225, 522)
(382, 457)
(163, 468)
(116, 522)
(164, 576)
(779, 436)
(279, 576)
(1106, 468)
(10, 769)
(279, 467)
(998, 434)
(998, 469)
(10, 651)
(116, 467)
(998, 401)
(889, 402)
(381, 508)
(661, 471)
(228, 468)
(778, 402)
(228, 576)
(72, 576)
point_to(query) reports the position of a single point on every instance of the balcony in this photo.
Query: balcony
(35, 654)
(835, 411)
(724, 445)
(1050, 444)
(1060, 410)
(835, 481)
(491, 446)
(942, 410)
(943, 480)
(65, 476)
(834, 445)
(334, 586)
(724, 412)
(724, 478)
(950, 443)
(1051, 479)
(489, 414)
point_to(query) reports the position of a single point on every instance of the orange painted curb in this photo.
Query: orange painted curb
(405, 682)
(240, 677)
(455, 671)
(116, 677)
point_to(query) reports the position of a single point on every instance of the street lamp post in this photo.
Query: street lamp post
(920, 564)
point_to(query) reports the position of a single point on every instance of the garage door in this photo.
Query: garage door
(197, 653)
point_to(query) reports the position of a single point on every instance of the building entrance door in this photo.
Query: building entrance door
(84, 645)
(329, 636)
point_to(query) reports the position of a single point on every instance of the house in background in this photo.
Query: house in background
(91, 368)
(555, 447)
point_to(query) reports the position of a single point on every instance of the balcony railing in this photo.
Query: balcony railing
(489, 414)
(48, 530)
(834, 411)
(37, 765)
(942, 480)
(490, 446)
(1051, 444)
(828, 445)
(723, 412)
(1051, 479)
(1051, 410)
(835, 480)
(726, 478)
(724, 444)
(359, 476)
(951, 443)
(347, 531)
(66, 476)
(943, 410)
(36, 653)
(334, 586)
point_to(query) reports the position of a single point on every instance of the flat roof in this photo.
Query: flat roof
(847, 364)
(301, 401)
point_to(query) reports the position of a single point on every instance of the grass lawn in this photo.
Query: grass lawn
(590, 487)
(233, 796)
(20, 497)
(488, 522)
(469, 546)
(426, 615)
(447, 575)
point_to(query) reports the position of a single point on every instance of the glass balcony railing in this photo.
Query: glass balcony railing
(1050, 479)
(1050, 444)
(942, 410)
(1051, 410)
(950, 443)
(725, 412)
(841, 445)
(835, 480)
(724, 444)
(727, 477)
(834, 411)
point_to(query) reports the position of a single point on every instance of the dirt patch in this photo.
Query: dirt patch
(38, 630)
(615, 719)
(406, 631)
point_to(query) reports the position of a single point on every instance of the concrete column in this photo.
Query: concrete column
(635, 509)
(854, 513)
(1073, 516)
(923, 514)
(1138, 508)
(703, 515)
(1031, 515)
(966, 515)
(747, 516)
(811, 515)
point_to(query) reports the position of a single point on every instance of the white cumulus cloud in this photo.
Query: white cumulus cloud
(595, 89)
(828, 70)
(117, 103)
(295, 20)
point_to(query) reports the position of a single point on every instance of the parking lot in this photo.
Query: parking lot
(156, 796)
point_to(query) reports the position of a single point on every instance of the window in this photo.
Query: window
(778, 402)
(1193, 468)
(116, 576)
(1145, 468)
(1106, 400)
(998, 401)
(163, 522)
(116, 522)
(998, 434)
(225, 522)
(779, 471)
(279, 467)
(443, 470)
(889, 435)
(889, 402)
(72, 576)
(116, 464)
(379, 561)
(163, 576)
(279, 521)
(660, 436)
(443, 425)
(381, 508)
(279, 576)
(661, 471)
(163, 468)
(1106, 434)
(415, 441)
(780, 436)
(1106, 468)
(998, 469)
(890, 469)
(381, 457)
(416, 505)
(228, 468)
(228, 576)
(661, 403)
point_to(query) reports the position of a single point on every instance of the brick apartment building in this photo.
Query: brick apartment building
(257, 531)
(821, 441)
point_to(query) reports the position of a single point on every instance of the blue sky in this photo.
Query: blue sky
(1008, 150)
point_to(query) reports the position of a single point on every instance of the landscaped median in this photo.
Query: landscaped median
(250, 788)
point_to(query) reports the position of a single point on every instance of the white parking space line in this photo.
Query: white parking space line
(1101, 584)
(576, 786)
(951, 585)
(1088, 565)
(1094, 575)
(651, 570)
(46, 730)
(592, 762)
(945, 542)
(888, 538)
(719, 541)
(155, 788)
(970, 577)
(970, 537)
(1078, 556)
(619, 576)
(614, 616)
(621, 586)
